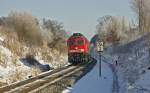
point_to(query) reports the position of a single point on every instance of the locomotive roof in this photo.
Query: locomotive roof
(77, 34)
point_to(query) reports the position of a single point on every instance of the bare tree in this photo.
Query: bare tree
(56, 28)
(142, 10)
(112, 29)
(56, 35)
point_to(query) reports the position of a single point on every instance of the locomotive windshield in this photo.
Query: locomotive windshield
(71, 43)
(80, 42)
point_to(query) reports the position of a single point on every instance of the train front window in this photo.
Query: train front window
(71, 43)
(80, 42)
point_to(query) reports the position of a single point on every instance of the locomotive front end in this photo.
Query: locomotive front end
(78, 48)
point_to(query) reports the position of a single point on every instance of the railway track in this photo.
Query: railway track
(34, 84)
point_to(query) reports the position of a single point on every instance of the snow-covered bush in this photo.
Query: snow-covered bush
(26, 27)
(55, 35)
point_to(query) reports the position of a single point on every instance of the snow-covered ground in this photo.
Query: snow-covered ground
(133, 63)
(92, 82)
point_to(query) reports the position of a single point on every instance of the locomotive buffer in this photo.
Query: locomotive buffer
(100, 48)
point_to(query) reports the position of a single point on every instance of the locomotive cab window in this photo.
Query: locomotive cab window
(80, 42)
(71, 43)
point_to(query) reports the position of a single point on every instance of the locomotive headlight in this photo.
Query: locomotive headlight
(82, 50)
(76, 47)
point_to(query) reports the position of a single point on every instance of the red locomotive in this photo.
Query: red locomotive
(78, 48)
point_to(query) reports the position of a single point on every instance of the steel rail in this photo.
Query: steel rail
(40, 82)
(23, 82)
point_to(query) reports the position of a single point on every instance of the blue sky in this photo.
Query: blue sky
(77, 15)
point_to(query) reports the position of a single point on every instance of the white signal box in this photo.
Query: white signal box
(100, 46)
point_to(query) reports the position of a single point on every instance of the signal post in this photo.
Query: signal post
(100, 49)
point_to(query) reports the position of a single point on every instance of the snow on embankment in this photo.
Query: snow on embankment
(12, 66)
(133, 61)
